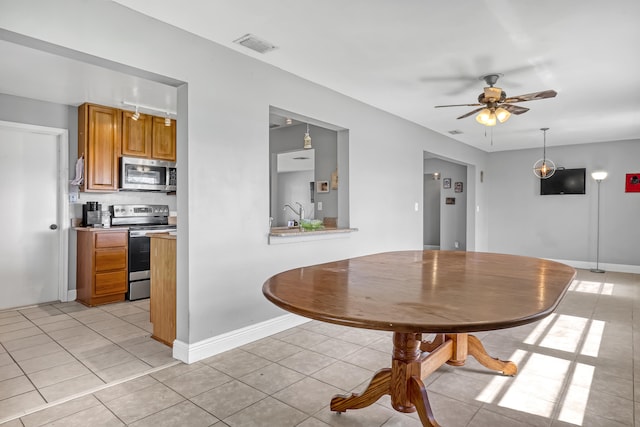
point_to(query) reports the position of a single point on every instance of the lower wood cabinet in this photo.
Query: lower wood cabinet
(102, 266)
(163, 287)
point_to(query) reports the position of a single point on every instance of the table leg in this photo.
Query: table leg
(476, 349)
(418, 394)
(412, 361)
(378, 387)
(403, 381)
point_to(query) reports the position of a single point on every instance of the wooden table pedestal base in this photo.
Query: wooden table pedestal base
(413, 360)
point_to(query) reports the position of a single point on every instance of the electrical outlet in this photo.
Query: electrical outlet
(319, 206)
(456, 244)
(73, 197)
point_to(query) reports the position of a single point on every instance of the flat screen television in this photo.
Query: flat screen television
(564, 181)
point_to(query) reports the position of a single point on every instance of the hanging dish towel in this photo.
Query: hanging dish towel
(79, 171)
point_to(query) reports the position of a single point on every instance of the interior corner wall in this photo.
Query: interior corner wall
(453, 217)
(564, 227)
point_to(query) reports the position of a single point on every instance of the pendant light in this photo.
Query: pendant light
(307, 139)
(544, 168)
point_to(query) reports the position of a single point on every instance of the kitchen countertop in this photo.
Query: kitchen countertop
(112, 228)
(295, 231)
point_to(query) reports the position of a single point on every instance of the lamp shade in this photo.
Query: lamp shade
(483, 116)
(502, 114)
(599, 175)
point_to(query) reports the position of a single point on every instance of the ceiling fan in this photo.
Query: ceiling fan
(494, 104)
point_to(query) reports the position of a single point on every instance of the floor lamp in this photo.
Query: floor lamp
(598, 177)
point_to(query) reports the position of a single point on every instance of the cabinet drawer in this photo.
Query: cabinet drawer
(111, 239)
(111, 259)
(111, 283)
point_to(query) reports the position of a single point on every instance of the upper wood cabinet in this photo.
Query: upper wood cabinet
(99, 137)
(148, 137)
(163, 141)
(136, 135)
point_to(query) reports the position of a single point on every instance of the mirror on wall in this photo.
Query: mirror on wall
(306, 178)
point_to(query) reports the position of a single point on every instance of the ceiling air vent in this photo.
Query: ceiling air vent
(255, 43)
(455, 132)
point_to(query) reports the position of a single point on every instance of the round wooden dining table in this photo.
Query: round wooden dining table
(410, 293)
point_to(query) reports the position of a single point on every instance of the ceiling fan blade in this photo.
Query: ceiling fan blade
(514, 109)
(459, 105)
(532, 96)
(470, 113)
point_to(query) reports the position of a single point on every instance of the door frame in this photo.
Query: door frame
(62, 214)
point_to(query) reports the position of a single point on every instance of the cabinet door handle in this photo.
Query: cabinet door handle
(53, 226)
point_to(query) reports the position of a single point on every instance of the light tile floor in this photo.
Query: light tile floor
(578, 366)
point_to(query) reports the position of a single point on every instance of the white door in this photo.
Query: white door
(29, 248)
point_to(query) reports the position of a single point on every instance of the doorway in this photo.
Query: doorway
(34, 249)
(445, 208)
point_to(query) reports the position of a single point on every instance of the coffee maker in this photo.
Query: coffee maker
(91, 214)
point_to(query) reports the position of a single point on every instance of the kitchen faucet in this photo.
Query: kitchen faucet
(299, 212)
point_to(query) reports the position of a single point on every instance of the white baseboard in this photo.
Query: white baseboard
(190, 353)
(72, 295)
(587, 265)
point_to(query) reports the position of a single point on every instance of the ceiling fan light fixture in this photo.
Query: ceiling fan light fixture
(492, 93)
(483, 116)
(502, 114)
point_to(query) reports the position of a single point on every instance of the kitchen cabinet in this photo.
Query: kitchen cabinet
(136, 135)
(148, 137)
(99, 138)
(163, 141)
(101, 266)
(163, 287)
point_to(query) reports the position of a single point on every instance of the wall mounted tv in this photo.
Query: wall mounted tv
(564, 181)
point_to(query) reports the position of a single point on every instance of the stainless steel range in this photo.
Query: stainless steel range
(142, 220)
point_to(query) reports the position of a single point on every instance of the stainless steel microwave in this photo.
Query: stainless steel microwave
(147, 174)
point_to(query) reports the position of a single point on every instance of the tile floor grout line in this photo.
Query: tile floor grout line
(87, 392)
(103, 336)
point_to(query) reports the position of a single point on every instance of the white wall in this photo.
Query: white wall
(223, 195)
(35, 112)
(563, 227)
(431, 211)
